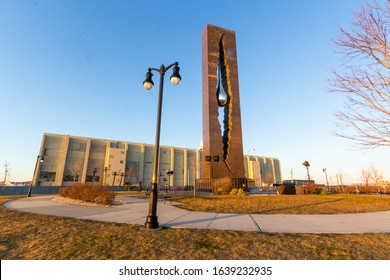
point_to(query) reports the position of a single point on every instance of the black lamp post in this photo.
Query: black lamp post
(105, 172)
(39, 160)
(94, 171)
(113, 180)
(121, 181)
(170, 173)
(152, 219)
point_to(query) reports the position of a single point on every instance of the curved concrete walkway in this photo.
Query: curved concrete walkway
(135, 210)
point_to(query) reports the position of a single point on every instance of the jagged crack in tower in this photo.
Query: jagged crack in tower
(222, 132)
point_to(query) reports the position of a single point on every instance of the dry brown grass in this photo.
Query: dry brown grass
(32, 236)
(287, 204)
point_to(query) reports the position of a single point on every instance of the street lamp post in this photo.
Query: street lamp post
(94, 171)
(152, 219)
(121, 181)
(105, 172)
(170, 173)
(326, 177)
(113, 180)
(39, 160)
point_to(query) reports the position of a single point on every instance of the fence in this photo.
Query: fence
(23, 190)
(213, 184)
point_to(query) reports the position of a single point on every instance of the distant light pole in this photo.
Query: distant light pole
(307, 164)
(121, 181)
(326, 177)
(114, 174)
(94, 171)
(170, 173)
(39, 160)
(105, 172)
(152, 219)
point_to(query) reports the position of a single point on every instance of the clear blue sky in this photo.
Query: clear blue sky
(77, 67)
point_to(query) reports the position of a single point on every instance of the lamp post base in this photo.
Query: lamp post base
(151, 223)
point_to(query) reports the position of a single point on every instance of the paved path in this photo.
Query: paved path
(135, 210)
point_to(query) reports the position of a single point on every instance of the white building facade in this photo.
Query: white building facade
(65, 160)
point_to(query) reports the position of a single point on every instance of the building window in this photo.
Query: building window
(71, 178)
(90, 177)
(47, 176)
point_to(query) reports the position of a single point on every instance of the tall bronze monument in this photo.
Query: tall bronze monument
(222, 132)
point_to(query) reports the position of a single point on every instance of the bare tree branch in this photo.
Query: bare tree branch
(365, 80)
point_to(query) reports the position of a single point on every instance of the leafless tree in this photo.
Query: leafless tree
(365, 78)
(130, 173)
(340, 177)
(6, 172)
(366, 176)
(75, 170)
(268, 178)
(376, 176)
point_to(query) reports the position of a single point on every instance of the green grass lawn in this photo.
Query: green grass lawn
(32, 236)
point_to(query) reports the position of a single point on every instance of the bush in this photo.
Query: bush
(237, 191)
(287, 188)
(94, 194)
(356, 189)
(322, 191)
(221, 186)
(310, 189)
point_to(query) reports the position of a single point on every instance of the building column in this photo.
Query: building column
(185, 167)
(38, 163)
(172, 166)
(249, 166)
(273, 171)
(86, 160)
(264, 162)
(259, 165)
(197, 164)
(141, 165)
(106, 167)
(125, 164)
(61, 168)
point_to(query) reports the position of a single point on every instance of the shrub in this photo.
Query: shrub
(310, 189)
(95, 194)
(287, 188)
(233, 191)
(237, 192)
(322, 191)
(221, 186)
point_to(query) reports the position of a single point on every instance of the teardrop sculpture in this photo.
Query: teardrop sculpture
(222, 97)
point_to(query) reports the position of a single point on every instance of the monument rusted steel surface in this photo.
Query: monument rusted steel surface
(222, 131)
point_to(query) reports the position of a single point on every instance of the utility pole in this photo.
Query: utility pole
(6, 172)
